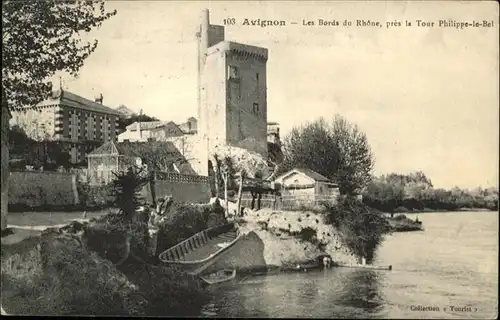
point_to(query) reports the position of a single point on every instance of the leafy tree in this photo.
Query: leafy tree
(19, 142)
(123, 122)
(336, 149)
(355, 161)
(40, 38)
(311, 146)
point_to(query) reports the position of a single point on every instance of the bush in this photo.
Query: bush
(362, 228)
(95, 197)
(185, 220)
(168, 291)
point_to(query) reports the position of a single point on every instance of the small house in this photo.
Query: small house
(307, 185)
(154, 155)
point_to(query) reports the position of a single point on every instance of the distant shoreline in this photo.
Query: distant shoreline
(442, 210)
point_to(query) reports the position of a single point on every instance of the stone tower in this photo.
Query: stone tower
(232, 94)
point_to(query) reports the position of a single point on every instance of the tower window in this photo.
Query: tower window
(256, 108)
(233, 73)
(257, 86)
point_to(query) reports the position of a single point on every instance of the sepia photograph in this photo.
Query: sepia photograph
(250, 159)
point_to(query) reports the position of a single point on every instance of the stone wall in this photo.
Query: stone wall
(39, 189)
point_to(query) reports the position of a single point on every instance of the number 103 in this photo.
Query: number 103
(230, 21)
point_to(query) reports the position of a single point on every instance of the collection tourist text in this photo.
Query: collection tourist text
(456, 309)
(447, 23)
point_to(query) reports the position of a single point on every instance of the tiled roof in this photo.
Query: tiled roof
(70, 99)
(313, 174)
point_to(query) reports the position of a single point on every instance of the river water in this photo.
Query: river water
(453, 263)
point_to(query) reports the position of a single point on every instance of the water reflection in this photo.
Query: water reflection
(362, 292)
(338, 293)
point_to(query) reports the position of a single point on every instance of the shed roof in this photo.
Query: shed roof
(308, 172)
(313, 174)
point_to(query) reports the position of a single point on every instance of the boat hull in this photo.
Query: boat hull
(227, 275)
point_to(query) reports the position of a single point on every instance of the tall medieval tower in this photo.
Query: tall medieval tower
(232, 92)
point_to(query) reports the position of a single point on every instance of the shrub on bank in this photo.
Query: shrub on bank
(362, 228)
(94, 197)
(185, 220)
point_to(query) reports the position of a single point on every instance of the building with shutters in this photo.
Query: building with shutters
(80, 125)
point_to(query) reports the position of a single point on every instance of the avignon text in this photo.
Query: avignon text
(264, 23)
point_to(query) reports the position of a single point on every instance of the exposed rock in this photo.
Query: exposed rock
(276, 227)
(253, 163)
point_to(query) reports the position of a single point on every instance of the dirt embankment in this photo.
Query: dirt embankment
(291, 236)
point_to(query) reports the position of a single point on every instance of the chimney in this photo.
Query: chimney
(99, 98)
(57, 86)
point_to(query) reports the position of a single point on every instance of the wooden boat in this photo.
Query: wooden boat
(219, 277)
(197, 253)
(365, 266)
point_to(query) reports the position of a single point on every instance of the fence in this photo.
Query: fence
(288, 202)
(182, 187)
(181, 178)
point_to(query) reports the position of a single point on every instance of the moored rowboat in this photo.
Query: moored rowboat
(219, 277)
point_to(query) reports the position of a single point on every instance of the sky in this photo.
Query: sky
(426, 97)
